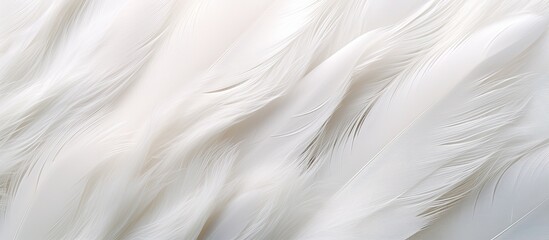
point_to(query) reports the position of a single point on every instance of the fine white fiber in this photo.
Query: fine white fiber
(262, 119)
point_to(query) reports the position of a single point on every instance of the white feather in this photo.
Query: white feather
(256, 119)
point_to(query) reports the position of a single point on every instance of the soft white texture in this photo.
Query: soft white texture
(289, 119)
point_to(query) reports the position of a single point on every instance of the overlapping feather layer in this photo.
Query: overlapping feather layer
(256, 119)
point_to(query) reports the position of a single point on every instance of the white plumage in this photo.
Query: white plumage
(256, 119)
